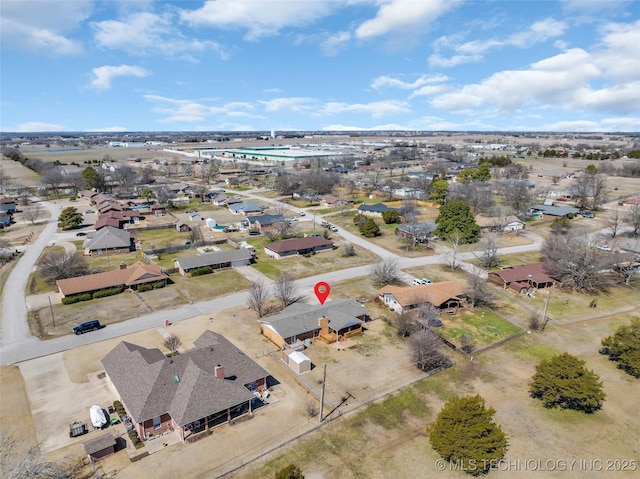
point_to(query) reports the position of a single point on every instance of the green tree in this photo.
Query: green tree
(93, 178)
(591, 170)
(438, 190)
(465, 176)
(464, 433)
(624, 347)
(456, 215)
(147, 194)
(391, 217)
(69, 218)
(482, 172)
(563, 381)
(290, 472)
(370, 229)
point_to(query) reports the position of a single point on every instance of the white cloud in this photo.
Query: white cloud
(115, 129)
(144, 33)
(260, 19)
(375, 109)
(35, 126)
(332, 45)
(40, 27)
(389, 81)
(295, 104)
(473, 51)
(622, 124)
(430, 90)
(401, 15)
(618, 53)
(572, 125)
(105, 74)
(191, 111)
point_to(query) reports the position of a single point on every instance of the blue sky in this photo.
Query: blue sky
(235, 65)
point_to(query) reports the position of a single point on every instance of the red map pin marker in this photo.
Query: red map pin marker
(322, 291)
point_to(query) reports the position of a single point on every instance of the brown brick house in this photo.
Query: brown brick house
(191, 392)
(127, 276)
(524, 277)
(443, 295)
(294, 246)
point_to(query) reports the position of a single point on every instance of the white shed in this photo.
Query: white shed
(298, 361)
(211, 223)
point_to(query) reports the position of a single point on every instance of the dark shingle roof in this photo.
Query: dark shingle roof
(185, 386)
(297, 244)
(215, 258)
(376, 208)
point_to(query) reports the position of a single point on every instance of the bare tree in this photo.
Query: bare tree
(589, 190)
(632, 218)
(172, 343)
(125, 176)
(32, 213)
(195, 234)
(386, 271)
(258, 297)
(286, 290)
(518, 197)
(187, 169)
(455, 240)
(575, 259)
(625, 269)
(404, 323)
(348, 250)
(467, 342)
(427, 353)
(409, 211)
(478, 292)
(17, 462)
(61, 265)
(613, 222)
(535, 320)
(489, 257)
(52, 179)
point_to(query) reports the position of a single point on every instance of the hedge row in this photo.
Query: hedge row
(201, 271)
(103, 293)
(133, 435)
(117, 405)
(76, 298)
(149, 286)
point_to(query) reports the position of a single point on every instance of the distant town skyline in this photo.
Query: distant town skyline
(361, 65)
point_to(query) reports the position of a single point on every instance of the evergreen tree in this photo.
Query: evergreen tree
(370, 229)
(482, 172)
(457, 215)
(465, 434)
(391, 216)
(69, 218)
(563, 381)
(93, 178)
(438, 190)
(290, 472)
(624, 347)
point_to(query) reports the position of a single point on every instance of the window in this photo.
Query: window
(157, 422)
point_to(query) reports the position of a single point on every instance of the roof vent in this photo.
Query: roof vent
(176, 378)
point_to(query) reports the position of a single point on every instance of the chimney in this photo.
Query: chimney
(323, 322)
(218, 371)
(123, 266)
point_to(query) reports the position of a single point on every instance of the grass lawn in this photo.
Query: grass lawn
(520, 258)
(161, 238)
(111, 261)
(484, 325)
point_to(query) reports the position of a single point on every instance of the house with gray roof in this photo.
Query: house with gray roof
(417, 232)
(294, 246)
(192, 392)
(108, 239)
(303, 321)
(245, 208)
(560, 211)
(376, 209)
(215, 260)
(263, 222)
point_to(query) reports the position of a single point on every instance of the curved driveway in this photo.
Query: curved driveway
(18, 345)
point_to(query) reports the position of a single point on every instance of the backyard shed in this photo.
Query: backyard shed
(101, 446)
(297, 361)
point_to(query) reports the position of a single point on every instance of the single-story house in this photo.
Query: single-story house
(334, 320)
(108, 239)
(523, 277)
(417, 233)
(215, 260)
(499, 223)
(117, 219)
(375, 210)
(100, 447)
(126, 276)
(158, 209)
(331, 201)
(245, 208)
(560, 211)
(293, 246)
(263, 222)
(192, 392)
(5, 218)
(442, 295)
(7, 205)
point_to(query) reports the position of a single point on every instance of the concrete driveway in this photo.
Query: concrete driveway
(56, 401)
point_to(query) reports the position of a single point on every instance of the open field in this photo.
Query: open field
(484, 326)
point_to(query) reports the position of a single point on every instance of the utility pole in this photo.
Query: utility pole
(544, 314)
(53, 318)
(324, 380)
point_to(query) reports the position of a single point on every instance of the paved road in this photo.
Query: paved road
(17, 345)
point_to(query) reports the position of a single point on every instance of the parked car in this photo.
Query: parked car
(425, 281)
(302, 213)
(603, 247)
(88, 212)
(292, 218)
(333, 228)
(588, 215)
(416, 282)
(87, 326)
(81, 233)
